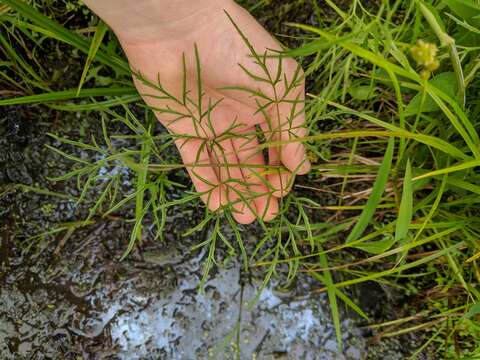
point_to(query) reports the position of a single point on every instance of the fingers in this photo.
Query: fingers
(232, 180)
(290, 119)
(249, 153)
(285, 120)
(197, 160)
(280, 179)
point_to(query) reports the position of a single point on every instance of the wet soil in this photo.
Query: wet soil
(67, 295)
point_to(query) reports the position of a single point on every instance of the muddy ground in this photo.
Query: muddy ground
(68, 296)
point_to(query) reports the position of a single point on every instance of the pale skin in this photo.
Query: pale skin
(156, 36)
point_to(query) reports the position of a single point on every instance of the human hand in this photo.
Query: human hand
(215, 125)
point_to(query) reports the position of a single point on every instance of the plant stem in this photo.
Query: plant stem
(447, 40)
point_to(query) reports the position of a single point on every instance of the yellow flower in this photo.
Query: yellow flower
(425, 74)
(425, 55)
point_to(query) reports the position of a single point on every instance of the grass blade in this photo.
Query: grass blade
(450, 169)
(67, 36)
(68, 95)
(100, 32)
(332, 298)
(127, 99)
(376, 196)
(406, 206)
(398, 269)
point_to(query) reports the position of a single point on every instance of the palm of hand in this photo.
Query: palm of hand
(216, 127)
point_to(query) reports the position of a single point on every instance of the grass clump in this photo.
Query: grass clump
(396, 142)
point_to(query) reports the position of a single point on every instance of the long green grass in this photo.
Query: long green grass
(396, 144)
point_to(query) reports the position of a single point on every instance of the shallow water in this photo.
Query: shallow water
(186, 324)
(138, 309)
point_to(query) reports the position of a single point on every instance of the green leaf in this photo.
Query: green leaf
(467, 9)
(445, 81)
(465, 25)
(465, 185)
(362, 92)
(376, 196)
(474, 310)
(307, 49)
(100, 32)
(376, 247)
(406, 206)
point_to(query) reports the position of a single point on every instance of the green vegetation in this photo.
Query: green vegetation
(393, 116)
